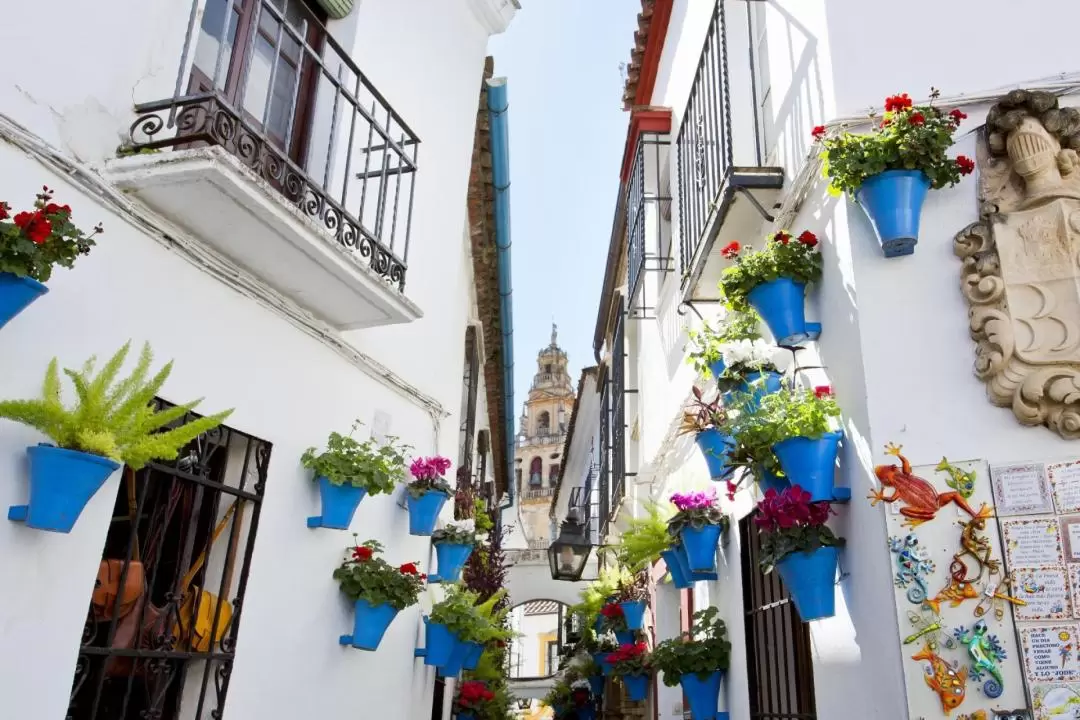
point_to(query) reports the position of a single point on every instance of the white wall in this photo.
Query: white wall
(287, 388)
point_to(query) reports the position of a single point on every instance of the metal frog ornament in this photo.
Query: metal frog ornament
(920, 499)
(913, 565)
(986, 652)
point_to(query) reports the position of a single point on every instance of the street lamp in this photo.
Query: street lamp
(567, 555)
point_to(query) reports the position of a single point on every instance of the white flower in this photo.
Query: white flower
(467, 525)
(747, 352)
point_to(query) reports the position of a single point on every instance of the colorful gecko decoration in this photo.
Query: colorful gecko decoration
(946, 680)
(921, 500)
(986, 652)
(974, 546)
(913, 565)
(960, 481)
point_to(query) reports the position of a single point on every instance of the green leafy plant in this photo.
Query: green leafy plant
(702, 651)
(377, 468)
(111, 418)
(752, 441)
(558, 696)
(363, 576)
(462, 532)
(742, 358)
(472, 621)
(789, 523)
(783, 256)
(708, 344)
(908, 137)
(702, 414)
(799, 413)
(615, 584)
(32, 242)
(640, 545)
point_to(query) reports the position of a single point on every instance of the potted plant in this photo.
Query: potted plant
(558, 697)
(591, 670)
(453, 545)
(599, 647)
(749, 373)
(698, 525)
(378, 591)
(112, 422)
(796, 541)
(31, 243)
(752, 448)
(349, 470)
(697, 660)
(705, 420)
(458, 628)
(633, 664)
(799, 424)
(773, 282)
(472, 698)
(427, 493)
(890, 169)
(706, 354)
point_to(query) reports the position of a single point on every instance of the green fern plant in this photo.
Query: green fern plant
(644, 539)
(114, 419)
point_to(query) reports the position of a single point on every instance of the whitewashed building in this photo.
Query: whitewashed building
(722, 97)
(296, 214)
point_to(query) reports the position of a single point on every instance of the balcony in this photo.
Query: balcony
(278, 152)
(648, 213)
(541, 439)
(725, 193)
(537, 493)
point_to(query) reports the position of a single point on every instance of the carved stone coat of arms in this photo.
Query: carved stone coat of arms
(1021, 261)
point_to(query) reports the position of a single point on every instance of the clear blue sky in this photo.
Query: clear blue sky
(567, 130)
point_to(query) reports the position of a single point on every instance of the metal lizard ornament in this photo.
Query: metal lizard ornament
(921, 500)
(960, 481)
(977, 548)
(986, 652)
(945, 679)
(913, 565)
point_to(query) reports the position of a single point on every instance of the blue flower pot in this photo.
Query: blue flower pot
(756, 386)
(601, 660)
(717, 368)
(439, 643)
(16, 294)
(369, 624)
(453, 666)
(625, 637)
(700, 546)
(693, 575)
(769, 481)
(585, 713)
(424, 511)
(465, 715)
(679, 578)
(811, 463)
(473, 653)
(714, 445)
(339, 503)
(637, 687)
(634, 612)
(781, 303)
(893, 202)
(598, 626)
(61, 483)
(451, 558)
(596, 685)
(702, 694)
(810, 579)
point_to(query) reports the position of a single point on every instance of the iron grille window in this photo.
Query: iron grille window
(604, 470)
(469, 385)
(272, 87)
(177, 529)
(703, 145)
(648, 233)
(778, 660)
(618, 412)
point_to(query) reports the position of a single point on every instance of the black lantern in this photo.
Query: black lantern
(567, 555)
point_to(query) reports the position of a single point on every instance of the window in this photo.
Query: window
(547, 368)
(176, 529)
(543, 423)
(553, 474)
(517, 474)
(778, 661)
(551, 665)
(467, 431)
(536, 472)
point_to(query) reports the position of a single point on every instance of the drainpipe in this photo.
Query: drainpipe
(498, 105)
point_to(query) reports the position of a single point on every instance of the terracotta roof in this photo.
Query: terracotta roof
(645, 54)
(481, 206)
(541, 607)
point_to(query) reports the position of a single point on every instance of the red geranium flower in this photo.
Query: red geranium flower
(956, 115)
(34, 225)
(782, 237)
(818, 132)
(808, 238)
(362, 554)
(409, 569)
(731, 249)
(612, 610)
(821, 391)
(897, 102)
(886, 122)
(731, 489)
(965, 164)
(916, 118)
(4, 207)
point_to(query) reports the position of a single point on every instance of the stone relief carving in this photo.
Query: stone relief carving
(1021, 261)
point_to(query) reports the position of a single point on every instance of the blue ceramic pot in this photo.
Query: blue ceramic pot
(625, 637)
(637, 687)
(694, 576)
(453, 666)
(16, 294)
(424, 511)
(781, 304)
(678, 577)
(369, 624)
(634, 612)
(700, 546)
(465, 715)
(339, 503)
(473, 653)
(893, 202)
(439, 643)
(61, 483)
(717, 368)
(769, 481)
(755, 386)
(810, 463)
(450, 558)
(714, 445)
(702, 694)
(596, 685)
(601, 660)
(810, 579)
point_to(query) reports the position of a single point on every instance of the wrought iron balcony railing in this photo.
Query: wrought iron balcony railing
(268, 84)
(541, 439)
(647, 232)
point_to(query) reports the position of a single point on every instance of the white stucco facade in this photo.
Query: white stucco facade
(238, 343)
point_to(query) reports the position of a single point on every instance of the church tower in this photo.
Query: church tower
(542, 432)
